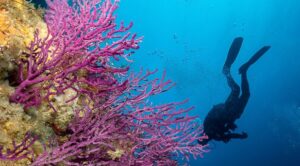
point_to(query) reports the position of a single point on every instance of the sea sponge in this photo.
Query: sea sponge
(65, 111)
(15, 122)
(18, 22)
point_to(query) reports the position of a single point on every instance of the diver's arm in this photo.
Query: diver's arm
(230, 126)
(229, 136)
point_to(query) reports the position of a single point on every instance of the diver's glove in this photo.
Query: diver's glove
(244, 135)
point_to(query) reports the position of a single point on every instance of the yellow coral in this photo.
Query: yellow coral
(18, 22)
(121, 147)
(115, 154)
(65, 111)
(38, 147)
(15, 122)
(15, 163)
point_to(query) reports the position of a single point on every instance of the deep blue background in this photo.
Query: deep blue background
(190, 40)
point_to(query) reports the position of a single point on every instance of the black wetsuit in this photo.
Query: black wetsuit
(219, 123)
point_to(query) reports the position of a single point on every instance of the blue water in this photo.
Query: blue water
(190, 39)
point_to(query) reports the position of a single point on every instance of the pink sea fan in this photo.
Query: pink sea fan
(76, 54)
(146, 134)
(19, 151)
(81, 39)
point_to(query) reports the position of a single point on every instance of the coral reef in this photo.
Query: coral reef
(63, 101)
(18, 21)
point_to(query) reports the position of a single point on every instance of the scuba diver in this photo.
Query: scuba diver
(219, 123)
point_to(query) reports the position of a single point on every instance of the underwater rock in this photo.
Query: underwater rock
(18, 21)
(15, 122)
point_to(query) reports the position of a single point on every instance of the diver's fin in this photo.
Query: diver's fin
(254, 58)
(258, 54)
(233, 51)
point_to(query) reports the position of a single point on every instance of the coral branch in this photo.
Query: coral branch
(117, 123)
(142, 133)
(20, 151)
(81, 40)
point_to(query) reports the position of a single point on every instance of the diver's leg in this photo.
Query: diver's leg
(235, 90)
(243, 100)
(245, 88)
(231, 56)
